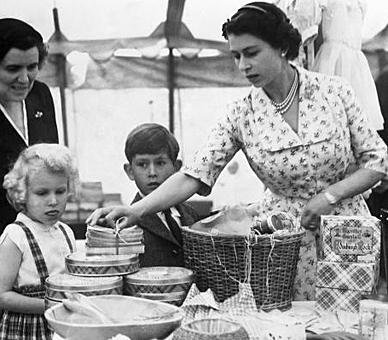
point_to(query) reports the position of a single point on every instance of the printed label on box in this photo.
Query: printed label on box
(352, 240)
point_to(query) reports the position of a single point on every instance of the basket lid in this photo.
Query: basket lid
(160, 275)
(71, 282)
(81, 259)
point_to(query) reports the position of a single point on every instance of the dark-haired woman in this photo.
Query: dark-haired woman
(26, 106)
(301, 132)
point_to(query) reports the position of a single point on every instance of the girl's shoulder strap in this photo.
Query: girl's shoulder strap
(62, 228)
(36, 253)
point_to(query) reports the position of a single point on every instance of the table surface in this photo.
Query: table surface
(316, 321)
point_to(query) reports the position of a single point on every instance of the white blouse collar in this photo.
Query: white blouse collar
(24, 112)
(37, 225)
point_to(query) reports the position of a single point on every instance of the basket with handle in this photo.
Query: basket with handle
(267, 262)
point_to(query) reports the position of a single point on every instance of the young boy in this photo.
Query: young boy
(152, 153)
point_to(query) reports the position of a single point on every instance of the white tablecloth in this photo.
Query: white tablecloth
(315, 321)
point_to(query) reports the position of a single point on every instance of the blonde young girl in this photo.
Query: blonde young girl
(36, 243)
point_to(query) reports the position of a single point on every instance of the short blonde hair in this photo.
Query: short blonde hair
(54, 157)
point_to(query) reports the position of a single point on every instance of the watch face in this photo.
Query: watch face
(331, 199)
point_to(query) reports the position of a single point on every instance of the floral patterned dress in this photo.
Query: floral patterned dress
(332, 138)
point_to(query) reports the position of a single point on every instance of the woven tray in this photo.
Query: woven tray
(219, 263)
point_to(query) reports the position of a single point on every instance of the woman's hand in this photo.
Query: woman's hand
(108, 216)
(317, 206)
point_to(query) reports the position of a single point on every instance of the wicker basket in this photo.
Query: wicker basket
(211, 329)
(220, 263)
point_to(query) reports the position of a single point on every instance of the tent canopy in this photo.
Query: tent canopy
(99, 28)
(105, 69)
(150, 27)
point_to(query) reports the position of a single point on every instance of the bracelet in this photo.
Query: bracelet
(330, 198)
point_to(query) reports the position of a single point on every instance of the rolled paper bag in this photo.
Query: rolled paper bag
(281, 221)
(276, 221)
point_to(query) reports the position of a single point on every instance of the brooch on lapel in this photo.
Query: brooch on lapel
(38, 114)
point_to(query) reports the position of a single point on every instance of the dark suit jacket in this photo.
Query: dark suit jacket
(382, 91)
(161, 248)
(42, 127)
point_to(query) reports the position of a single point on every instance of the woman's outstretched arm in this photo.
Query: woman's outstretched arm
(176, 189)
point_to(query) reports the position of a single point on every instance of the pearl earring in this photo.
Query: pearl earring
(283, 54)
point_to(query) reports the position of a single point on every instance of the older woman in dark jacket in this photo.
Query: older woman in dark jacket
(27, 113)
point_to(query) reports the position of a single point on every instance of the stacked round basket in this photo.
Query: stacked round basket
(58, 285)
(268, 262)
(166, 284)
(103, 256)
(96, 272)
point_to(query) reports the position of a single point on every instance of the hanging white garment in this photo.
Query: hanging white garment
(304, 15)
(340, 53)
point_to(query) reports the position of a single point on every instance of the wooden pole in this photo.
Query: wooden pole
(60, 61)
(171, 88)
(172, 29)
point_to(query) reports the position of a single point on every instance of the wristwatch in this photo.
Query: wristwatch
(330, 198)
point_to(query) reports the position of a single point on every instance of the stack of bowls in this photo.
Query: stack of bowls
(165, 284)
(59, 284)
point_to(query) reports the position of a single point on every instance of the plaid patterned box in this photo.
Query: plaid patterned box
(331, 299)
(347, 275)
(350, 238)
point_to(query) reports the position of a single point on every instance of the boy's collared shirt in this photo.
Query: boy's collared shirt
(174, 213)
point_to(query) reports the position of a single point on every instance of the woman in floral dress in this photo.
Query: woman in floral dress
(303, 134)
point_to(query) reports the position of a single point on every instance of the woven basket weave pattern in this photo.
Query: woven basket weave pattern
(102, 270)
(211, 329)
(219, 264)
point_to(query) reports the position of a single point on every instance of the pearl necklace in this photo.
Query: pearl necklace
(283, 106)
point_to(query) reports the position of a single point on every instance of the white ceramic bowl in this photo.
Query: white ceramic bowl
(137, 318)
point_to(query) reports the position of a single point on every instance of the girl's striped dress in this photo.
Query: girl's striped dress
(20, 326)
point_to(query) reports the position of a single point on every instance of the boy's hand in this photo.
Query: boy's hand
(108, 216)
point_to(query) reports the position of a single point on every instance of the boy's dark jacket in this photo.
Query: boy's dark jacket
(161, 248)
